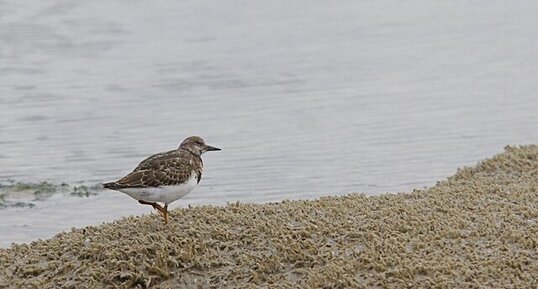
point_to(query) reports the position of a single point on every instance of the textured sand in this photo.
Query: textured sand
(478, 229)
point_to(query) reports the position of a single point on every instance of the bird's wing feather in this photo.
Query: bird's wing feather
(163, 169)
(156, 159)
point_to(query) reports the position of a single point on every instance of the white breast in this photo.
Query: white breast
(163, 194)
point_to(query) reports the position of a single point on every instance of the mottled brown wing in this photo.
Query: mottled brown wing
(165, 169)
(156, 160)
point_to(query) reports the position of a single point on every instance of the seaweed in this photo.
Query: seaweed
(19, 194)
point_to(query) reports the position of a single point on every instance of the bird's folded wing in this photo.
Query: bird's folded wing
(160, 161)
(154, 178)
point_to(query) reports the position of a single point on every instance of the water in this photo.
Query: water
(306, 99)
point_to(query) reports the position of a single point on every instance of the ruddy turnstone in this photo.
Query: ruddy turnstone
(165, 177)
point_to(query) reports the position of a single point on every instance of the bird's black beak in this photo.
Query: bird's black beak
(210, 148)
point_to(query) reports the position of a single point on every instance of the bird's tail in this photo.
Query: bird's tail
(111, 185)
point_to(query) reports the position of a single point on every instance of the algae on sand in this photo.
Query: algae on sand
(478, 229)
(18, 194)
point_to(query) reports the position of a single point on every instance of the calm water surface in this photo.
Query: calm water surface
(306, 99)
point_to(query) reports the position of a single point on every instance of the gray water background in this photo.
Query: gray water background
(306, 99)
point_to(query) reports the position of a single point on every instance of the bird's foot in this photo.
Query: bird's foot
(162, 210)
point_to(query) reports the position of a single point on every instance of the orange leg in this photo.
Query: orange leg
(154, 205)
(158, 207)
(165, 213)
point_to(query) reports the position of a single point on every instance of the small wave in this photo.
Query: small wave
(21, 194)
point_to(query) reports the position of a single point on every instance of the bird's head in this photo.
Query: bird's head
(197, 145)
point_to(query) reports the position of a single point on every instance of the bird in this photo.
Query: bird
(165, 177)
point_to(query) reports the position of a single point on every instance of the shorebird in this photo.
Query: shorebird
(165, 177)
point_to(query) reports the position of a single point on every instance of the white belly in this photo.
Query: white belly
(164, 194)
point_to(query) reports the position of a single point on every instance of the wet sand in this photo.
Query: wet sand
(477, 229)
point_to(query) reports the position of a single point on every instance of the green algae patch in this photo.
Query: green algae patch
(18, 194)
(477, 229)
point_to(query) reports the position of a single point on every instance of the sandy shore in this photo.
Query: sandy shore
(478, 229)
